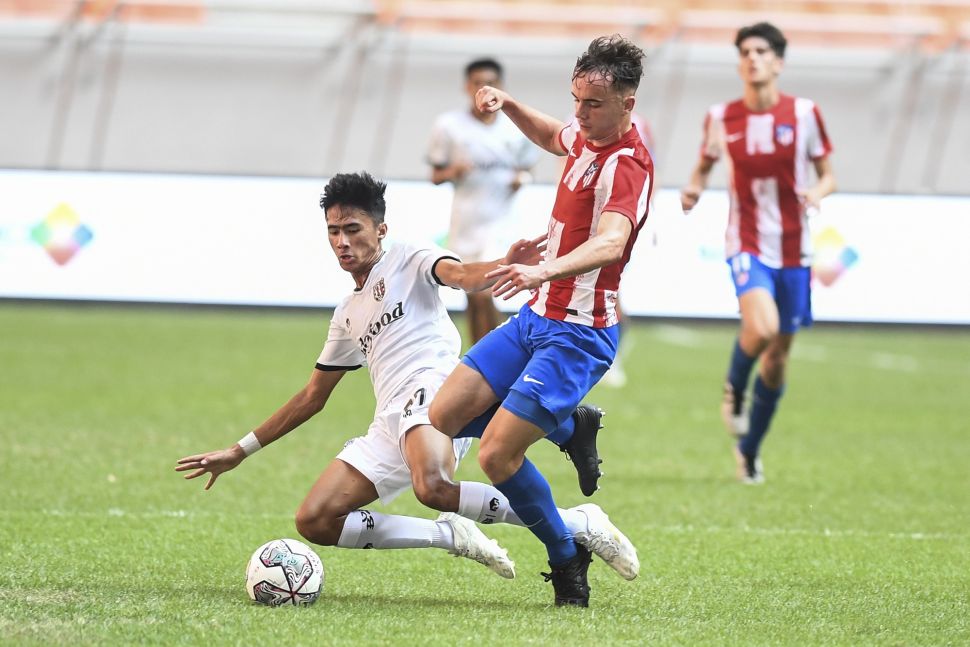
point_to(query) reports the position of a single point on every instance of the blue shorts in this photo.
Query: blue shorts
(790, 287)
(531, 360)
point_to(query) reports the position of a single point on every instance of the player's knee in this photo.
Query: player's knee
(436, 491)
(317, 527)
(495, 463)
(773, 369)
(439, 417)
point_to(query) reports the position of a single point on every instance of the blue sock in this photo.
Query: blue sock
(763, 406)
(476, 427)
(739, 370)
(531, 499)
(563, 432)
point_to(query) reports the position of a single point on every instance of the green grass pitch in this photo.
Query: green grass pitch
(860, 537)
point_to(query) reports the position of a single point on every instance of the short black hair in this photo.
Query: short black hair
(616, 58)
(483, 64)
(776, 39)
(358, 190)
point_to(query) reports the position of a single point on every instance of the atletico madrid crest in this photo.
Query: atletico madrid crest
(590, 172)
(379, 290)
(784, 134)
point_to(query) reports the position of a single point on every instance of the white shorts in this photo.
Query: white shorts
(379, 455)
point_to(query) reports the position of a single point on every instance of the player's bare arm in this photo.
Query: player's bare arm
(450, 173)
(602, 249)
(306, 403)
(691, 193)
(539, 127)
(825, 185)
(472, 277)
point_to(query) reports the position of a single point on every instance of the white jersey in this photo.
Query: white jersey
(396, 324)
(497, 152)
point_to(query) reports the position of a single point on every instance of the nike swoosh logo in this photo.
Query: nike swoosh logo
(527, 378)
(734, 137)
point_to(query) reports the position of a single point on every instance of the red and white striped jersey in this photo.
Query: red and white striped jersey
(618, 178)
(769, 156)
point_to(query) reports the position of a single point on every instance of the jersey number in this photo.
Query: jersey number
(419, 397)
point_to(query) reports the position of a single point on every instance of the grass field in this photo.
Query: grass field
(860, 536)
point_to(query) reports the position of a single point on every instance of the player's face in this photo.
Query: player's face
(757, 62)
(603, 112)
(478, 79)
(355, 238)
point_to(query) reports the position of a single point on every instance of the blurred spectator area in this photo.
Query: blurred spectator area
(312, 87)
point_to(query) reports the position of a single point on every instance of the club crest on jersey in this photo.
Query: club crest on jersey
(785, 134)
(379, 290)
(590, 172)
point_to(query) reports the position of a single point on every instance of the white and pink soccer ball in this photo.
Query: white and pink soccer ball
(284, 571)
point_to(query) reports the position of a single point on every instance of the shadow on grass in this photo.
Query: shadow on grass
(357, 600)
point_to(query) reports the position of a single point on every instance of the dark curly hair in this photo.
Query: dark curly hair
(359, 190)
(614, 57)
(776, 39)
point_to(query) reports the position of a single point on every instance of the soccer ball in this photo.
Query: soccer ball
(284, 571)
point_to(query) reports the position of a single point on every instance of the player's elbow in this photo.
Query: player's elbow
(613, 248)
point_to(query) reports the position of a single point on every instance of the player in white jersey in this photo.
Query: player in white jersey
(487, 159)
(395, 324)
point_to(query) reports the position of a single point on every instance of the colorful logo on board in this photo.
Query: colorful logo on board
(61, 234)
(833, 256)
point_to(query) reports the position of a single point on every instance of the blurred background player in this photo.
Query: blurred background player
(395, 324)
(524, 380)
(487, 159)
(770, 141)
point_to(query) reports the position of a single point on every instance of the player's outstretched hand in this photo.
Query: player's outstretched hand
(211, 463)
(689, 196)
(512, 279)
(527, 252)
(489, 99)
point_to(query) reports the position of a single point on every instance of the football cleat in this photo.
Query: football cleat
(472, 543)
(581, 448)
(733, 412)
(750, 471)
(569, 580)
(607, 542)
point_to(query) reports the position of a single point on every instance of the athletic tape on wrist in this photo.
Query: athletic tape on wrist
(250, 444)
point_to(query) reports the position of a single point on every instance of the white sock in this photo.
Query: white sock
(366, 529)
(485, 504)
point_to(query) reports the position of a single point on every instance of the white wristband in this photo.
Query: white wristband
(250, 444)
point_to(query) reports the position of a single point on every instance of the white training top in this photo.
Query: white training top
(482, 199)
(396, 324)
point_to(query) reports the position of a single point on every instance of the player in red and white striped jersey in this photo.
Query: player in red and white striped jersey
(524, 380)
(771, 142)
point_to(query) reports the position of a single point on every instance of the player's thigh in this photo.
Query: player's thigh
(759, 314)
(432, 457)
(429, 453)
(339, 490)
(464, 395)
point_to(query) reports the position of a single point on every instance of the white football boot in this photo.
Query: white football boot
(605, 540)
(472, 543)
